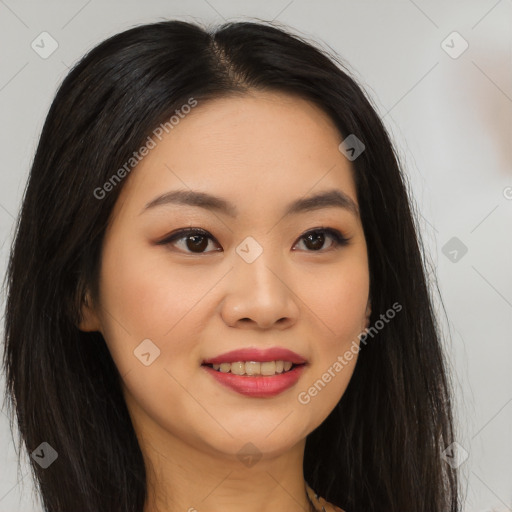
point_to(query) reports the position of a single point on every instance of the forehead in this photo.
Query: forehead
(261, 148)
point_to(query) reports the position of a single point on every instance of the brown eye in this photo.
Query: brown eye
(196, 243)
(194, 240)
(314, 240)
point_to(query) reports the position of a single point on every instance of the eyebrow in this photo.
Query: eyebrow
(327, 199)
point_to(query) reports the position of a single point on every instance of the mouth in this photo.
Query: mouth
(256, 372)
(254, 368)
(256, 379)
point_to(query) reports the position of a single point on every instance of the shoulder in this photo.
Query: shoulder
(319, 503)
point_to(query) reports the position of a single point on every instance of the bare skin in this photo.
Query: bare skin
(260, 152)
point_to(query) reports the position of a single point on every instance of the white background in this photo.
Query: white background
(449, 117)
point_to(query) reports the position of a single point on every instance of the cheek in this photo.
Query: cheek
(336, 300)
(145, 296)
(147, 292)
(340, 318)
(337, 305)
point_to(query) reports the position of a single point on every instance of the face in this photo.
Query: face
(252, 274)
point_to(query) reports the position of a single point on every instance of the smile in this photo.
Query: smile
(249, 368)
(256, 385)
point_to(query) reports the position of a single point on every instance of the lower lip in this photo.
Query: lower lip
(258, 386)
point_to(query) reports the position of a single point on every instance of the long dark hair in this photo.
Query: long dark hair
(381, 447)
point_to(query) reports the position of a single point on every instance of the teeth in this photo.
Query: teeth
(225, 367)
(237, 368)
(268, 368)
(254, 367)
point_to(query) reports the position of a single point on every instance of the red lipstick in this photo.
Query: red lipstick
(257, 386)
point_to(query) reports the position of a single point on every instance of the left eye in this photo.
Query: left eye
(196, 240)
(317, 238)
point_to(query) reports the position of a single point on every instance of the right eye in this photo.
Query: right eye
(195, 240)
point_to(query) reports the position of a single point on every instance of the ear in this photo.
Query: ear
(89, 320)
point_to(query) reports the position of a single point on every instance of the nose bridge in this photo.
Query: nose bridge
(258, 290)
(261, 273)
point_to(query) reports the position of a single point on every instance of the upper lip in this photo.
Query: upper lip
(256, 354)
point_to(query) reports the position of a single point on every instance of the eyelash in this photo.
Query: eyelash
(339, 239)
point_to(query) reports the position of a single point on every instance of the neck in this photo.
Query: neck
(181, 477)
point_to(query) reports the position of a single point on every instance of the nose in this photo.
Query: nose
(260, 295)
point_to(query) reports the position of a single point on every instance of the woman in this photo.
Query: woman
(217, 289)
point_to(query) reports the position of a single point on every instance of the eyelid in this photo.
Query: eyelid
(183, 233)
